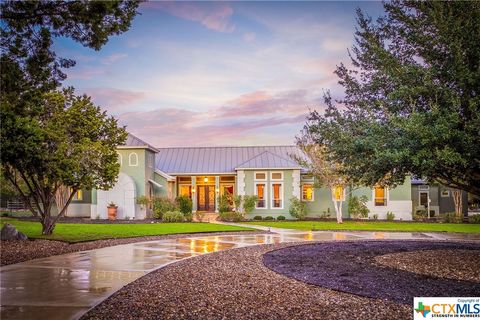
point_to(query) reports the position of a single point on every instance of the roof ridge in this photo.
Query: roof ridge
(261, 153)
(247, 146)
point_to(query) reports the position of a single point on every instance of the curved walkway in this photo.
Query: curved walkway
(67, 286)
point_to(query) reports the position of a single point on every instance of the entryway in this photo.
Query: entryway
(206, 198)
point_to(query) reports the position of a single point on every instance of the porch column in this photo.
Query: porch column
(217, 192)
(194, 194)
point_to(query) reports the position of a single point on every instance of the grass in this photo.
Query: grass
(77, 232)
(372, 226)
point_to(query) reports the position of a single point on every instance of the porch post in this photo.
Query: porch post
(194, 194)
(217, 192)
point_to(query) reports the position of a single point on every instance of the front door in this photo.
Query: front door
(206, 198)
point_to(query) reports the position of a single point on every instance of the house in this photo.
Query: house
(205, 173)
(434, 198)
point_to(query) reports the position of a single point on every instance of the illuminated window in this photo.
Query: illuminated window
(380, 196)
(277, 196)
(260, 193)
(338, 193)
(260, 176)
(133, 159)
(185, 190)
(276, 176)
(307, 192)
(78, 195)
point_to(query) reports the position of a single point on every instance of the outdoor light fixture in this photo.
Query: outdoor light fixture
(193, 190)
(205, 179)
(217, 190)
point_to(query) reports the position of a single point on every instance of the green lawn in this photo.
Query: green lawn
(76, 232)
(372, 226)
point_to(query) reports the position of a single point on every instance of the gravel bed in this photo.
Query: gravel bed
(18, 251)
(450, 264)
(351, 267)
(234, 284)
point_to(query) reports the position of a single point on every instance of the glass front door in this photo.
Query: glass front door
(206, 198)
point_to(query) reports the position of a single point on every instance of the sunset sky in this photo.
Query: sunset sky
(218, 73)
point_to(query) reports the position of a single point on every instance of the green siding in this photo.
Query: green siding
(138, 173)
(403, 191)
(160, 192)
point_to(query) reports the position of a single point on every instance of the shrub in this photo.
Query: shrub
(268, 218)
(298, 208)
(231, 216)
(172, 216)
(451, 217)
(420, 215)
(474, 219)
(375, 216)
(199, 215)
(281, 218)
(249, 203)
(390, 215)
(224, 203)
(257, 218)
(143, 201)
(357, 207)
(184, 204)
(237, 201)
(163, 205)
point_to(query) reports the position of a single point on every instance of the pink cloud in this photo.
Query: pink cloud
(114, 99)
(214, 17)
(84, 73)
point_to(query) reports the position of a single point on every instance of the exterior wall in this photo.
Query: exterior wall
(160, 192)
(322, 204)
(81, 208)
(441, 204)
(137, 173)
(288, 190)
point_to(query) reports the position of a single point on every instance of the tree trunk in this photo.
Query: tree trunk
(48, 224)
(338, 210)
(457, 200)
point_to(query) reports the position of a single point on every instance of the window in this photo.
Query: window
(424, 199)
(380, 196)
(338, 193)
(260, 176)
(307, 192)
(260, 193)
(276, 176)
(185, 190)
(445, 193)
(277, 196)
(78, 195)
(133, 159)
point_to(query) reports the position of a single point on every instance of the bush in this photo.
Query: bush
(268, 218)
(249, 203)
(298, 208)
(451, 217)
(172, 216)
(143, 201)
(375, 216)
(224, 203)
(163, 205)
(390, 216)
(199, 215)
(231, 216)
(281, 218)
(237, 202)
(257, 218)
(474, 219)
(184, 204)
(357, 207)
(420, 215)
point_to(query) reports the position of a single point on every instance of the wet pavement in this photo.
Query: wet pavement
(67, 286)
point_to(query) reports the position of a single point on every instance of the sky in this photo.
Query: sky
(218, 73)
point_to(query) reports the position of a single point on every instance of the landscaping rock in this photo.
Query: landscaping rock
(9, 232)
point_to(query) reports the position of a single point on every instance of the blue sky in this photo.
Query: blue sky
(218, 73)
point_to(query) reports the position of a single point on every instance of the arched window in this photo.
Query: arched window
(133, 159)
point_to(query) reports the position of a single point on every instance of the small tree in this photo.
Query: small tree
(249, 203)
(298, 208)
(357, 207)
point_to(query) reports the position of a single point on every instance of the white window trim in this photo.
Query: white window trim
(446, 195)
(265, 191)
(282, 195)
(313, 192)
(255, 175)
(271, 175)
(130, 162)
(387, 197)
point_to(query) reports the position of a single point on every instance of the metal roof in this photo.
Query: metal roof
(218, 160)
(135, 142)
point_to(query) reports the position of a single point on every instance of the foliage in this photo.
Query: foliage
(375, 216)
(199, 215)
(420, 215)
(162, 205)
(231, 216)
(54, 139)
(451, 217)
(268, 218)
(357, 207)
(184, 204)
(474, 219)
(257, 218)
(281, 218)
(172, 216)
(224, 203)
(237, 202)
(298, 208)
(112, 205)
(143, 200)
(390, 216)
(412, 99)
(249, 203)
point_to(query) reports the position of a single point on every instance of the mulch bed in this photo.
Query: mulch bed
(18, 251)
(234, 284)
(351, 267)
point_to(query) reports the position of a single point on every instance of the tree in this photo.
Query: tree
(327, 173)
(412, 98)
(73, 143)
